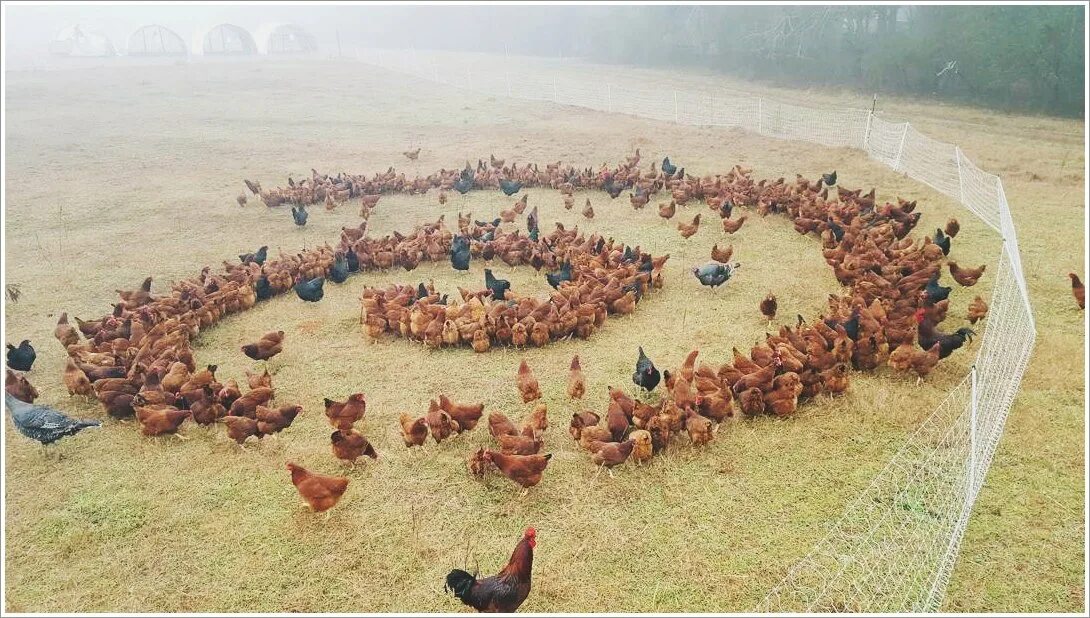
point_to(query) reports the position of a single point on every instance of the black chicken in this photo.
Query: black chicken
(667, 167)
(498, 286)
(257, 257)
(929, 336)
(934, 292)
(510, 187)
(338, 273)
(646, 376)
(21, 358)
(613, 188)
(560, 276)
(494, 223)
(263, 289)
(353, 261)
(463, 185)
(300, 215)
(459, 253)
(310, 291)
(503, 592)
(829, 179)
(942, 240)
(714, 274)
(725, 209)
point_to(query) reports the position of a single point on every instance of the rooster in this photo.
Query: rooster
(829, 179)
(646, 376)
(299, 215)
(503, 592)
(929, 336)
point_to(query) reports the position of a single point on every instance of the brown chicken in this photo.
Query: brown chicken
(263, 380)
(722, 255)
(270, 421)
(76, 380)
(268, 346)
(441, 425)
(537, 422)
(698, 427)
(466, 415)
(20, 388)
(519, 445)
(609, 454)
(977, 310)
(320, 492)
(642, 449)
(414, 432)
(65, 332)
(527, 383)
(731, 226)
(687, 230)
(923, 361)
(616, 421)
(588, 210)
(965, 276)
(1077, 290)
(952, 227)
(667, 211)
(577, 383)
(581, 420)
(246, 405)
(343, 415)
(783, 399)
(768, 307)
(162, 421)
(240, 427)
(526, 470)
(350, 445)
(500, 425)
(504, 592)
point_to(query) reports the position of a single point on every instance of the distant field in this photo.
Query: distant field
(114, 174)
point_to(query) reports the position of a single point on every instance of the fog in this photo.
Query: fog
(1011, 57)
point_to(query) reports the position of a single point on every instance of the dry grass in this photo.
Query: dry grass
(114, 174)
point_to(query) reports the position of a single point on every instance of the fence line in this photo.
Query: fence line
(894, 547)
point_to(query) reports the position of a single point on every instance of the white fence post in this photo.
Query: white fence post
(897, 162)
(609, 98)
(676, 121)
(972, 437)
(961, 182)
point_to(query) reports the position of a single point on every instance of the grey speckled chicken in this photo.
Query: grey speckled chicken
(714, 274)
(43, 423)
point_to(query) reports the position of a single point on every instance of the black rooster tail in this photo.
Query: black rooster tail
(459, 582)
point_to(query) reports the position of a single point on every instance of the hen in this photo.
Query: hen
(43, 423)
(1078, 290)
(526, 470)
(270, 344)
(350, 445)
(768, 307)
(527, 384)
(577, 383)
(646, 376)
(320, 492)
(503, 592)
(342, 415)
(309, 290)
(714, 275)
(21, 358)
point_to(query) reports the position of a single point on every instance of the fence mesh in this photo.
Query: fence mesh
(895, 545)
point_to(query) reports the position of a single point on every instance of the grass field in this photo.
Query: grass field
(117, 173)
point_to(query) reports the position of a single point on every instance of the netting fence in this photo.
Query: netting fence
(895, 545)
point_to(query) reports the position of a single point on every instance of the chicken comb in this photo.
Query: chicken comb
(530, 532)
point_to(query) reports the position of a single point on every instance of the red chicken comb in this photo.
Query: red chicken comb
(530, 532)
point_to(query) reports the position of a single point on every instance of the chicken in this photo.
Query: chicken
(270, 344)
(611, 454)
(722, 255)
(588, 210)
(22, 389)
(952, 227)
(687, 230)
(581, 420)
(713, 274)
(526, 470)
(1077, 290)
(577, 383)
(162, 421)
(350, 445)
(21, 358)
(783, 399)
(65, 332)
(309, 290)
(751, 401)
(718, 405)
(642, 449)
(414, 432)
(527, 384)
(466, 415)
(519, 445)
(698, 427)
(412, 155)
(441, 425)
(320, 492)
(42, 423)
(667, 211)
(646, 376)
(239, 428)
(929, 336)
(500, 425)
(263, 380)
(965, 276)
(977, 310)
(246, 405)
(900, 359)
(923, 361)
(503, 592)
(342, 415)
(731, 226)
(270, 421)
(76, 380)
(768, 307)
